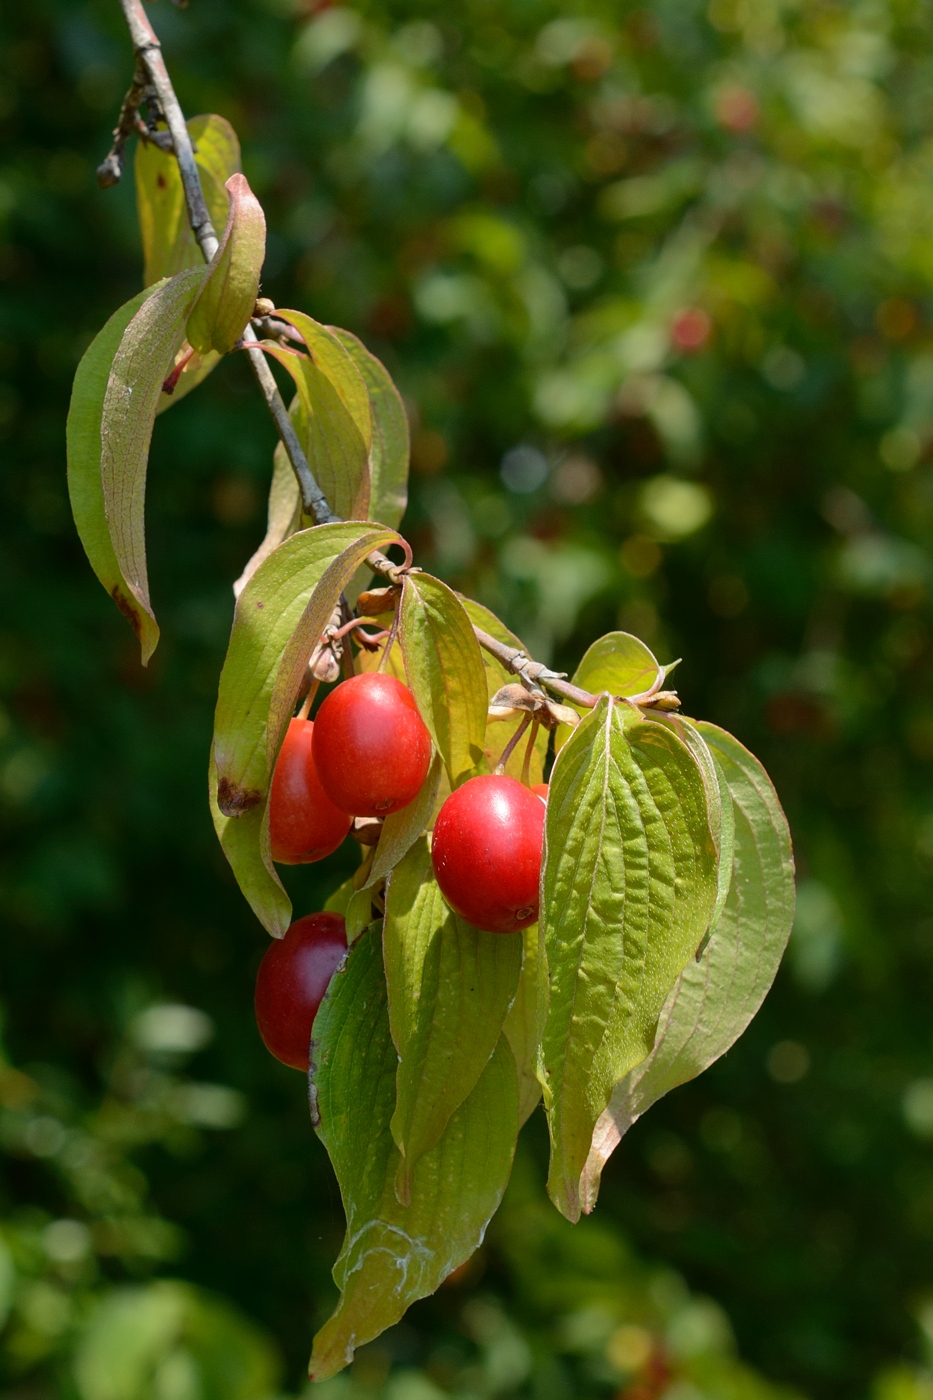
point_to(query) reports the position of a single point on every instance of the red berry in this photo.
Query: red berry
(540, 790)
(371, 747)
(486, 851)
(293, 976)
(304, 825)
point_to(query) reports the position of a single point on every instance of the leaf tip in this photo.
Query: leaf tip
(233, 799)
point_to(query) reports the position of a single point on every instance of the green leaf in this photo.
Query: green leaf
(227, 299)
(389, 452)
(144, 358)
(401, 829)
(169, 246)
(719, 803)
(617, 663)
(521, 1027)
(450, 988)
(394, 1254)
(445, 672)
(244, 840)
(358, 913)
(497, 734)
(334, 423)
(283, 517)
(279, 616)
(83, 435)
(717, 996)
(629, 884)
(337, 902)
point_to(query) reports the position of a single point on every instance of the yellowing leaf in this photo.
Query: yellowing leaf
(334, 420)
(629, 884)
(389, 451)
(169, 246)
(450, 988)
(394, 1254)
(143, 359)
(83, 435)
(445, 672)
(227, 299)
(715, 998)
(497, 734)
(279, 617)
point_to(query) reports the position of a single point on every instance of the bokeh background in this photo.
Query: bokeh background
(656, 280)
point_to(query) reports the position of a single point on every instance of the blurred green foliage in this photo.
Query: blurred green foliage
(657, 283)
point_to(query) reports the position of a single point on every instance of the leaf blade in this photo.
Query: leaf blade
(85, 489)
(227, 299)
(394, 1254)
(445, 672)
(450, 987)
(389, 452)
(627, 807)
(140, 365)
(716, 997)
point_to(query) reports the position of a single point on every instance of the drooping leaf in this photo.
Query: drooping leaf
(244, 840)
(228, 296)
(401, 829)
(628, 887)
(389, 451)
(521, 1027)
(338, 901)
(143, 359)
(283, 517)
(85, 490)
(497, 734)
(279, 616)
(394, 1254)
(450, 987)
(169, 246)
(445, 672)
(715, 998)
(719, 803)
(335, 419)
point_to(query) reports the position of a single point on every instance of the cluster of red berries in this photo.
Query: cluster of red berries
(367, 754)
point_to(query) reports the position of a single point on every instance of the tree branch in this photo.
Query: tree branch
(314, 503)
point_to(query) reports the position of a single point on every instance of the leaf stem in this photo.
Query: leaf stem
(510, 746)
(529, 750)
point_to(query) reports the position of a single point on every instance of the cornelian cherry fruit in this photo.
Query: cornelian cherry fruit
(540, 790)
(293, 976)
(372, 749)
(486, 852)
(304, 825)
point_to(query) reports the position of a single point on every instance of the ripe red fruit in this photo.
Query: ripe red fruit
(540, 790)
(304, 825)
(486, 851)
(293, 976)
(372, 749)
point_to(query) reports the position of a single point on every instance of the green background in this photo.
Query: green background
(655, 282)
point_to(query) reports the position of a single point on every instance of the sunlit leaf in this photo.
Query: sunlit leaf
(394, 1254)
(629, 885)
(445, 672)
(279, 617)
(389, 451)
(617, 663)
(335, 423)
(84, 479)
(450, 989)
(497, 734)
(715, 998)
(521, 1027)
(169, 246)
(228, 296)
(401, 829)
(283, 517)
(144, 357)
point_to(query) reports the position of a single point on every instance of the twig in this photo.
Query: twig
(110, 170)
(149, 60)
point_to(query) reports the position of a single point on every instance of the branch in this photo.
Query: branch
(151, 65)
